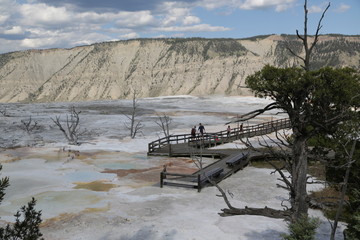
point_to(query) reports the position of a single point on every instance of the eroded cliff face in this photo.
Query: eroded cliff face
(156, 67)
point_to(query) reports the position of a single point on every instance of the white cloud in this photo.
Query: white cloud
(14, 30)
(194, 28)
(9, 45)
(41, 14)
(256, 4)
(65, 25)
(94, 17)
(37, 42)
(84, 38)
(177, 35)
(282, 7)
(160, 36)
(7, 9)
(279, 5)
(189, 20)
(213, 4)
(135, 19)
(342, 8)
(130, 35)
(318, 8)
(175, 15)
(3, 18)
(315, 9)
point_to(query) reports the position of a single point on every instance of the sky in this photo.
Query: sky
(43, 24)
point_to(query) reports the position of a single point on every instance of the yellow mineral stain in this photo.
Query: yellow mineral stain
(69, 216)
(97, 186)
(61, 217)
(9, 159)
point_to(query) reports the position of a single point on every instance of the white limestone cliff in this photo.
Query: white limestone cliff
(154, 67)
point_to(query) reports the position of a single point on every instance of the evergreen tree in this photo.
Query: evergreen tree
(353, 228)
(26, 226)
(317, 102)
(303, 229)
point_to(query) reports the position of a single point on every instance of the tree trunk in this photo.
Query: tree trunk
(299, 178)
(343, 191)
(267, 212)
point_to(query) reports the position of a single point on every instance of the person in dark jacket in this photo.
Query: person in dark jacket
(201, 129)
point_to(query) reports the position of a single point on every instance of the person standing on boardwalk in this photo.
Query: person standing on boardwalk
(193, 132)
(228, 131)
(201, 129)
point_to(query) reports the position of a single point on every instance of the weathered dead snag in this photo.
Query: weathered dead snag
(71, 129)
(164, 121)
(29, 125)
(266, 212)
(134, 125)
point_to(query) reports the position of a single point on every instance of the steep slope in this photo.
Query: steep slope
(156, 67)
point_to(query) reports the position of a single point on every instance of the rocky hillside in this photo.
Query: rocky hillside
(157, 67)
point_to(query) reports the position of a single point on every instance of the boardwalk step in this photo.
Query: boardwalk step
(236, 159)
(213, 173)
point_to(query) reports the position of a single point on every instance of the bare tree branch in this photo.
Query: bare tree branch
(304, 38)
(134, 125)
(255, 113)
(71, 131)
(164, 122)
(29, 125)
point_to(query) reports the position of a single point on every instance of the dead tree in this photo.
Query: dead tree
(293, 92)
(134, 125)
(313, 107)
(71, 128)
(308, 47)
(275, 148)
(196, 154)
(29, 125)
(164, 121)
(4, 112)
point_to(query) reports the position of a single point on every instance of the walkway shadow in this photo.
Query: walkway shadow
(264, 235)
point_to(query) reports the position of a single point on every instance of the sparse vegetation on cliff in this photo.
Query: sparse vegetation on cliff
(158, 66)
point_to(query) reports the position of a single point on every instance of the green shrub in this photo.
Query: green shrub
(303, 229)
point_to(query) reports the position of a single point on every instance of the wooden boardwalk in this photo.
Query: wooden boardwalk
(230, 160)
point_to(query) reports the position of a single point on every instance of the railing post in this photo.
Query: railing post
(162, 179)
(199, 182)
(169, 145)
(149, 148)
(162, 176)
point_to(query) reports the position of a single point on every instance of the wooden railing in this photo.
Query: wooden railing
(196, 180)
(220, 137)
(193, 180)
